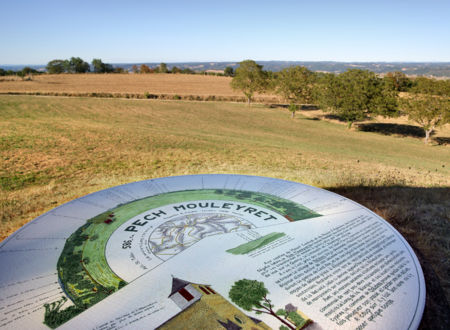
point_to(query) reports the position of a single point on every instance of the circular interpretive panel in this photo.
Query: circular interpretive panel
(210, 251)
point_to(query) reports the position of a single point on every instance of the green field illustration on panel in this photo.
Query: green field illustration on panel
(255, 244)
(83, 270)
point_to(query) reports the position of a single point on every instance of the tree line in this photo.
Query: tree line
(163, 68)
(72, 65)
(78, 65)
(25, 72)
(354, 95)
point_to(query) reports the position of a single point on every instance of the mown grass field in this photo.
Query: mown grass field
(54, 149)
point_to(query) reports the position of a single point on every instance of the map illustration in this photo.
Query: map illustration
(178, 234)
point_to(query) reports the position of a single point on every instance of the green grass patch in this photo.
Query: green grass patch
(255, 244)
(18, 181)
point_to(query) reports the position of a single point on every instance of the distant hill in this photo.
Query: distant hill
(433, 69)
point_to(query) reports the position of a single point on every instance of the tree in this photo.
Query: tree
(251, 295)
(385, 99)
(54, 316)
(295, 85)
(120, 70)
(293, 109)
(187, 71)
(163, 68)
(135, 69)
(425, 85)
(429, 111)
(328, 91)
(401, 83)
(249, 78)
(27, 72)
(56, 66)
(229, 71)
(77, 65)
(100, 67)
(176, 69)
(97, 64)
(356, 94)
(144, 69)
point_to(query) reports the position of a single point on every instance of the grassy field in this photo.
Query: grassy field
(56, 149)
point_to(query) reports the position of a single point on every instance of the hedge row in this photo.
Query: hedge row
(149, 96)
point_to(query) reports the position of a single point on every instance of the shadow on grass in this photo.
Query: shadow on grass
(332, 116)
(422, 216)
(309, 107)
(302, 107)
(389, 129)
(278, 105)
(400, 129)
(442, 140)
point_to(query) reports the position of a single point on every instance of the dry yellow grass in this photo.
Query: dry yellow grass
(57, 149)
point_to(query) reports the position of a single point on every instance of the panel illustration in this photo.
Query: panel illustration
(218, 251)
(83, 268)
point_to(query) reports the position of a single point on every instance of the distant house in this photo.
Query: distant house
(203, 308)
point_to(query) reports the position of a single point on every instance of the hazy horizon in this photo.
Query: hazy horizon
(324, 61)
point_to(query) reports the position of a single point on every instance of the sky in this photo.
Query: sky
(35, 32)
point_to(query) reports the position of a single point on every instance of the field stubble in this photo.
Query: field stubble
(54, 150)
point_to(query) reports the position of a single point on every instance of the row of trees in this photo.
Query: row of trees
(26, 71)
(163, 68)
(143, 68)
(74, 65)
(77, 65)
(354, 95)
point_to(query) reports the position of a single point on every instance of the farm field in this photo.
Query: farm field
(121, 85)
(55, 149)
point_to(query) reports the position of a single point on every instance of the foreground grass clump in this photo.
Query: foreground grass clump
(53, 150)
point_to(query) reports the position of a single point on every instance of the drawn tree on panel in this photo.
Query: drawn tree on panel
(251, 295)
